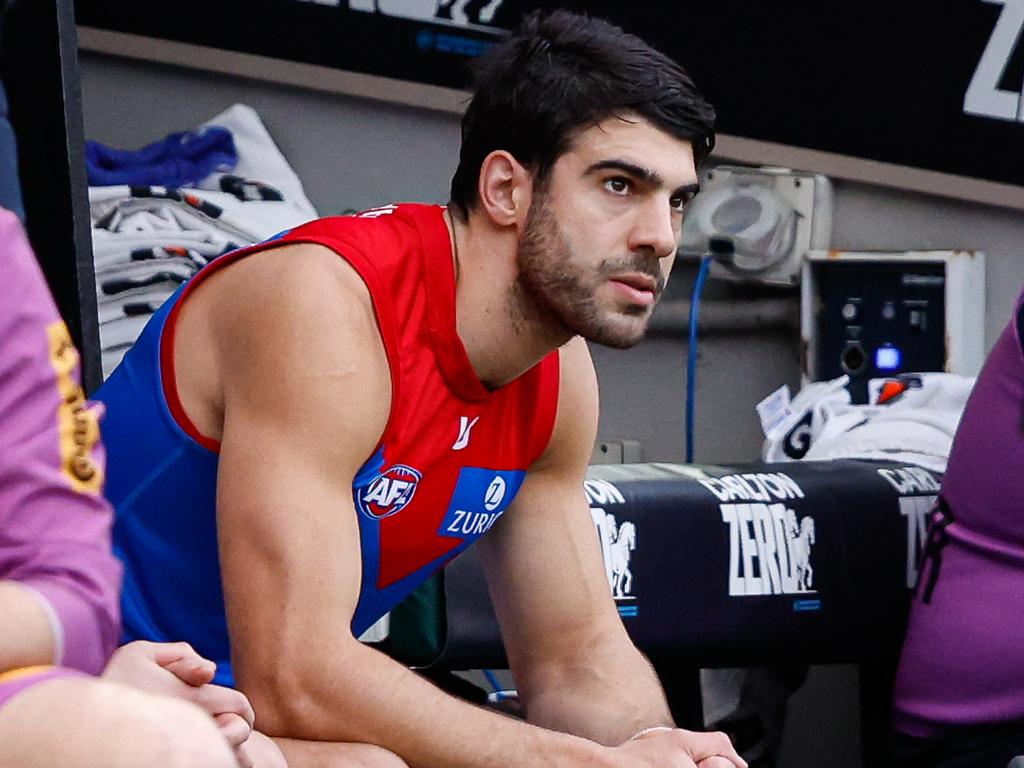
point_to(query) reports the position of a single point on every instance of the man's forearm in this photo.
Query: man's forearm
(607, 695)
(363, 696)
(26, 638)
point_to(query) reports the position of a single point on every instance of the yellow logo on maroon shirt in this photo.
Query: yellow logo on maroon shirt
(78, 424)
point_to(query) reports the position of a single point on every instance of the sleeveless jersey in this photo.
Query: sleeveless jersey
(450, 460)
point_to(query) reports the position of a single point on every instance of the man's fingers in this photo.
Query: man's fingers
(165, 653)
(193, 670)
(181, 660)
(218, 700)
(704, 746)
(264, 752)
(716, 762)
(234, 728)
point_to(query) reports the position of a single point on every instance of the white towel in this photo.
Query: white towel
(259, 158)
(916, 427)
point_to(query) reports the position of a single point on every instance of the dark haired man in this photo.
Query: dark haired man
(319, 434)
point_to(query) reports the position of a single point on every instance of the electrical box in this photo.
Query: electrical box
(868, 315)
(758, 223)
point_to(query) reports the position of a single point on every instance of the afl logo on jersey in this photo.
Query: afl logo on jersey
(390, 492)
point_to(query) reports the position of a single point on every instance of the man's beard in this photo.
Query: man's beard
(550, 279)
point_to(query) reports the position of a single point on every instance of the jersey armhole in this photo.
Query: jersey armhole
(168, 377)
(366, 271)
(549, 384)
(387, 323)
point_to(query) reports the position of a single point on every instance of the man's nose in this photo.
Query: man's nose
(655, 229)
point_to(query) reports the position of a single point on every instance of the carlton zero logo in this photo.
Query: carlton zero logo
(769, 547)
(918, 490)
(390, 492)
(618, 542)
(984, 96)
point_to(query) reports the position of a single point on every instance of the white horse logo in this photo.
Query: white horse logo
(623, 543)
(800, 545)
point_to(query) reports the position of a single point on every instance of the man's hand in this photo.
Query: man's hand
(678, 748)
(264, 752)
(176, 670)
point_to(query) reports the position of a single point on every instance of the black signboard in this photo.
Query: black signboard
(808, 562)
(929, 85)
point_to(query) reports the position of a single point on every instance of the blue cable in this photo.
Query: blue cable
(691, 361)
(495, 683)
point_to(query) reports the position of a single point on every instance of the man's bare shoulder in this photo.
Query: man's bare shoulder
(295, 283)
(294, 318)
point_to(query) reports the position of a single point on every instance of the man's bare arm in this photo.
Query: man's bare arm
(573, 663)
(306, 399)
(575, 666)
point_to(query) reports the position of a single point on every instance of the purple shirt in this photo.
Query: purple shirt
(54, 522)
(963, 657)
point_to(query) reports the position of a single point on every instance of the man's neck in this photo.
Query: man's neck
(504, 331)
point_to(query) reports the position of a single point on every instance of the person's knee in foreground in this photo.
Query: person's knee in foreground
(84, 722)
(316, 424)
(59, 580)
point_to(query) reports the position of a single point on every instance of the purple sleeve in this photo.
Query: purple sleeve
(54, 522)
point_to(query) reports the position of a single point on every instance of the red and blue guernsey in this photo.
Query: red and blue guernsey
(451, 459)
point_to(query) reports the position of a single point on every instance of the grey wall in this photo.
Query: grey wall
(349, 153)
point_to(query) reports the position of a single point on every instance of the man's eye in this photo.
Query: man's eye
(679, 203)
(618, 185)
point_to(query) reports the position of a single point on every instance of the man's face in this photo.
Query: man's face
(603, 228)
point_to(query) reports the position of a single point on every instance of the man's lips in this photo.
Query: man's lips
(639, 289)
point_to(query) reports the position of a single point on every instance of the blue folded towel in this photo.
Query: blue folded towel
(10, 189)
(180, 159)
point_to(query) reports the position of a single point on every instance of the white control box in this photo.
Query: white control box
(874, 314)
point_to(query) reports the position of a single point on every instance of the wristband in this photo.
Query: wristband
(652, 729)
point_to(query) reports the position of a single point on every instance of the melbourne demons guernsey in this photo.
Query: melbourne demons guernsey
(450, 460)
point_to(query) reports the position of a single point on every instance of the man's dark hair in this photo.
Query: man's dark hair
(560, 74)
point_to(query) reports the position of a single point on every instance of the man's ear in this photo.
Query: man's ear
(505, 189)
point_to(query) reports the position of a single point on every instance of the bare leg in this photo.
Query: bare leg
(90, 723)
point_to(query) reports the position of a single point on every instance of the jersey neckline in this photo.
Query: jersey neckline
(439, 273)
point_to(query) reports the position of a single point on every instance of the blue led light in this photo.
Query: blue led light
(887, 358)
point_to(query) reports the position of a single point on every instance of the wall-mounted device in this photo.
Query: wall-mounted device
(758, 223)
(868, 315)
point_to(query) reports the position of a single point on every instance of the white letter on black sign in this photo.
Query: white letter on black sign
(984, 96)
